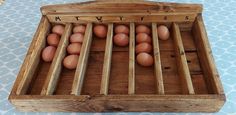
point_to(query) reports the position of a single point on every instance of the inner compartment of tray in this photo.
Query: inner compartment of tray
(145, 80)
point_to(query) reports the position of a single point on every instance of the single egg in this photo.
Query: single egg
(143, 37)
(70, 61)
(122, 29)
(58, 29)
(48, 53)
(121, 39)
(143, 29)
(163, 32)
(100, 31)
(53, 39)
(79, 29)
(144, 59)
(76, 38)
(74, 48)
(143, 47)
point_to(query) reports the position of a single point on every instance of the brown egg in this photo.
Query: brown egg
(48, 53)
(53, 39)
(58, 29)
(76, 38)
(143, 37)
(163, 32)
(143, 47)
(100, 31)
(70, 61)
(79, 29)
(74, 48)
(143, 29)
(144, 59)
(121, 39)
(122, 29)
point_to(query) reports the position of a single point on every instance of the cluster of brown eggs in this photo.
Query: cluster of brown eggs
(53, 40)
(143, 49)
(74, 48)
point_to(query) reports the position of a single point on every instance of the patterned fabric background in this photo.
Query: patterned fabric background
(19, 20)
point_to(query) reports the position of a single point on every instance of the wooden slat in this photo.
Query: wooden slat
(131, 103)
(107, 61)
(82, 64)
(114, 6)
(131, 85)
(121, 17)
(33, 60)
(56, 66)
(157, 60)
(182, 64)
(206, 57)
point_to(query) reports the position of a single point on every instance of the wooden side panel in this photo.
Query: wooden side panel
(107, 61)
(55, 68)
(33, 58)
(82, 64)
(131, 89)
(183, 69)
(206, 57)
(113, 103)
(157, 60)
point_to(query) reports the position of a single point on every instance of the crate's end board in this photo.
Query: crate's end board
(183, 77)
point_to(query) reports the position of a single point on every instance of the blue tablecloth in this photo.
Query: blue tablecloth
(19, 20)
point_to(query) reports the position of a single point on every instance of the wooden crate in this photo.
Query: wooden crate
(183, 79)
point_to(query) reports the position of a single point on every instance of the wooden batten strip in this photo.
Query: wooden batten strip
(206, 57)
(32, 63)
(157, 60)
(83, 59)
(183, 69)
(56, 66)
(107, 61)
(131, 86)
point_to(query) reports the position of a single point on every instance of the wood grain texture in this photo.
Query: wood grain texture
(131, 88)
(107, 61)
(206, 57)
(183, 69)
(157, 60)
(115, 103)
(82, 64)
(130, 6)
(34, 56)
(56, 66)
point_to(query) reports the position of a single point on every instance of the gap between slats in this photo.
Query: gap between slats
(35, 56)
(157, 60)
(83, 60)
(131, 85)
(55, 69)
(183, 69)
(107, 61)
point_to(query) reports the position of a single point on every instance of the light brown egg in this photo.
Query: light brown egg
(122, 29)
(53, 39)
(74, 48)
(79, 29)
(163, 32)
(143, 29)
(58, 29)
(70, 61)
(144, 59)
(121, 39)
(143, 37)
(48, 53)
(76, 38)
(100, 31)
(143, 47)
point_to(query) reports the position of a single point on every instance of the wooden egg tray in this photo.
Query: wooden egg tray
(107, 78)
